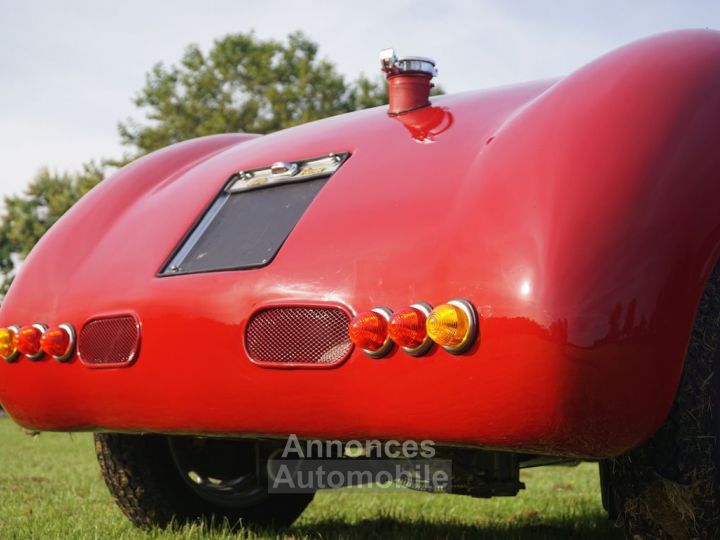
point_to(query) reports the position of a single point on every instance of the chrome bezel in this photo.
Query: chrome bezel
(391, 64)
(472, 332)
(71, 347)
(14, 356)
(43, 328)
(427, 343)
(417, 63)
(387, 346)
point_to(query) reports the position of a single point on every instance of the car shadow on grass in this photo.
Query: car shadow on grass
(591, 528)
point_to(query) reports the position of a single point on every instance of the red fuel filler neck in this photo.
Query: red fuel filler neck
(409, 81)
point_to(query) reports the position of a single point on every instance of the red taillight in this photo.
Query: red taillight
(59, 342)
(29, 340)
(369, 331)
(407, 328)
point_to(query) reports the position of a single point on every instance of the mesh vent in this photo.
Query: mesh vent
(109, 342)
(298, 335)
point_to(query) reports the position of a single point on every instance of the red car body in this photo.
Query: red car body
(580, 216)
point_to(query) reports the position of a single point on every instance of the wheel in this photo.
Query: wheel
(670, 487)
(160, 480)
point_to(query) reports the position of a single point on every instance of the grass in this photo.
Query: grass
(50, 487)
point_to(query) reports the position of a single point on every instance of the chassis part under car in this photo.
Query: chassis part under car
(236, 467)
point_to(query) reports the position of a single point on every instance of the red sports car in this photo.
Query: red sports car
(522, 275)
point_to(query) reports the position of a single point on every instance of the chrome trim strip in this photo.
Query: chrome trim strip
(286, 172)
(174, 265)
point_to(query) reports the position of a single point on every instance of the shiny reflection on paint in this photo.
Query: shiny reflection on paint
(525, 288)
(426, 124)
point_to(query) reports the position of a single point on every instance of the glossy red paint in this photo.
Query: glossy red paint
(581, 217)
(427, 127)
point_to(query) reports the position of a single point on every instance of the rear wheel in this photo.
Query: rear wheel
(670, 487)
(159, 480)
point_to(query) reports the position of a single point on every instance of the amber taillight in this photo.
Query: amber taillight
(453, 326)
(8, 343)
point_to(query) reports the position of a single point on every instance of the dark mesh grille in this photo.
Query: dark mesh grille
(299, 335)
(109, 341)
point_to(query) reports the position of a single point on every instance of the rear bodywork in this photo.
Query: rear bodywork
(580, 216)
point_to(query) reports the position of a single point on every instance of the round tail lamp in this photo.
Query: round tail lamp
(59, 342)
(29, 340)
(369, 331)
(453, 326)
(407, 328)
(8, 343)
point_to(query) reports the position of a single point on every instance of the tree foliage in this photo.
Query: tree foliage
(27, 216)
(243, 84)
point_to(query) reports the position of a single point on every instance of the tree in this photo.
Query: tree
(243, 84)
(28, 215)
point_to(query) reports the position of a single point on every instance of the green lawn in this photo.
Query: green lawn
(50, 487)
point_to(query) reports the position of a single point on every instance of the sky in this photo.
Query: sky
(69, 70)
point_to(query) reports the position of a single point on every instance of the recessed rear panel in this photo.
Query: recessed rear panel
(249, 220)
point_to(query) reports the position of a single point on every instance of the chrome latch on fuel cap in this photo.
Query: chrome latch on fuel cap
(282, 168)
(285, 172)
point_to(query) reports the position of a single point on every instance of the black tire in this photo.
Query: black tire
(669, 487)
(145, 479)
